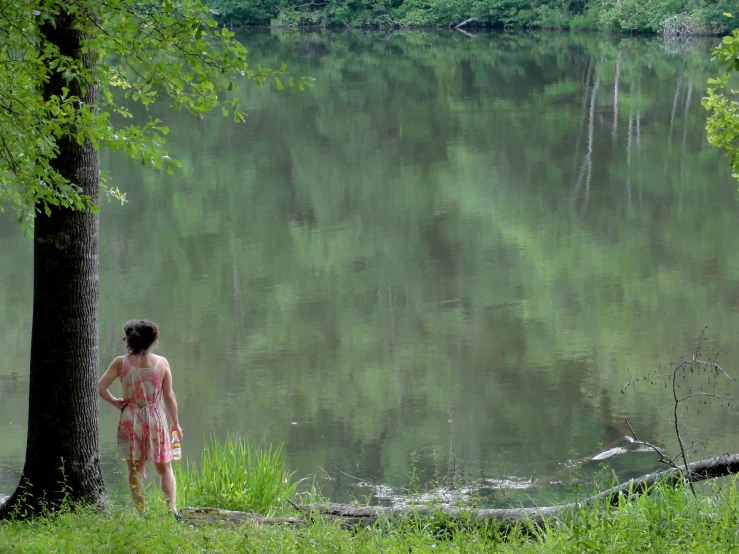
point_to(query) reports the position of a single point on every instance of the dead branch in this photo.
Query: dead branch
(663, 457)
(391, 20)
(684, 368)
(678, 25)
(357, 515)
(465, 22)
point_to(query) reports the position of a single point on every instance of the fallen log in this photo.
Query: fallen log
(350, 515)
(216, 516)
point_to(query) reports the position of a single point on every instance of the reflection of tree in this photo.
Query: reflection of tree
(400, 240)
(586, 169)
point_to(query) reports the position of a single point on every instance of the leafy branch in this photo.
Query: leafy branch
(148, 50)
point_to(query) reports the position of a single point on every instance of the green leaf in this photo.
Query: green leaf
(182, 55)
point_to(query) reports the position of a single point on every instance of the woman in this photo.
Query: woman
(146, 380)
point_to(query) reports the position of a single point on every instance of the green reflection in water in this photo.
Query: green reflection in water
(503, 227)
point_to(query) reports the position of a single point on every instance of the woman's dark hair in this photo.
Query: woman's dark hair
(140, 335)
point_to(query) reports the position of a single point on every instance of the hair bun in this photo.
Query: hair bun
(140, 335)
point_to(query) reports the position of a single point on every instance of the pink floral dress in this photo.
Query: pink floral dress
(142, 427)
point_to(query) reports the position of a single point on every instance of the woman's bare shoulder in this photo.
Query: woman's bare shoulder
(116, 366)
(163, 363)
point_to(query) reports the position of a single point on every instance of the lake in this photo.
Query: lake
(439, 264)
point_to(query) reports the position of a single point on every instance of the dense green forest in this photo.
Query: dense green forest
(647, 16)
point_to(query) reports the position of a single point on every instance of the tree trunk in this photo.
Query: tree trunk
(62, 448)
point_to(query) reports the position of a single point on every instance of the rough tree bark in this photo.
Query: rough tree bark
(62, 448)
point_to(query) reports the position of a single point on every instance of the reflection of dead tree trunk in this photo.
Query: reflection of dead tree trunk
(585, 84)
(638, 125)
(673, 113)
(674, 106)
(629, 142)
(628, 157)
(351, 515)
(685, 133)
(615, 98)
(591, 128)
(586, 170)
(638, 133)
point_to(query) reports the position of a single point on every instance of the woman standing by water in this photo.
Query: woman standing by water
(146, 381)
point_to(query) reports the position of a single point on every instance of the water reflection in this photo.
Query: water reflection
(443, 260)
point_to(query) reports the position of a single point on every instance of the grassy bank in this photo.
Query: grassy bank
(668, 521)
(240, 475)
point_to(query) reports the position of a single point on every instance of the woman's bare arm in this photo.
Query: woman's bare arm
(114, 370)
(169, 399)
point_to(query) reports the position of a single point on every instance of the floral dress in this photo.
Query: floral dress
(142, 427)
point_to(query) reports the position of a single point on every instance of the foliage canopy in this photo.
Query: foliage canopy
(723, 121)
(140, 51)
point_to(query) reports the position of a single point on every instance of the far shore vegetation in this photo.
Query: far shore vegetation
(670, 17)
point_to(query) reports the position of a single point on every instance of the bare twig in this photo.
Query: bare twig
(663, 457)
(683, 369)
(675, 407)
(351, 476)
(326, 473)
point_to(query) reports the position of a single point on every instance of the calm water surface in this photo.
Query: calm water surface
(447, 257)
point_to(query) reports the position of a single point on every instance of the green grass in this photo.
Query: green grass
(666, 521)
(236, 474)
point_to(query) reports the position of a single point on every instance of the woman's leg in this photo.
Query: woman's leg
(167, 482)
(136, 482)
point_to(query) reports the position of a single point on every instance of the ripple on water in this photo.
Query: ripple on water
(442, 496)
